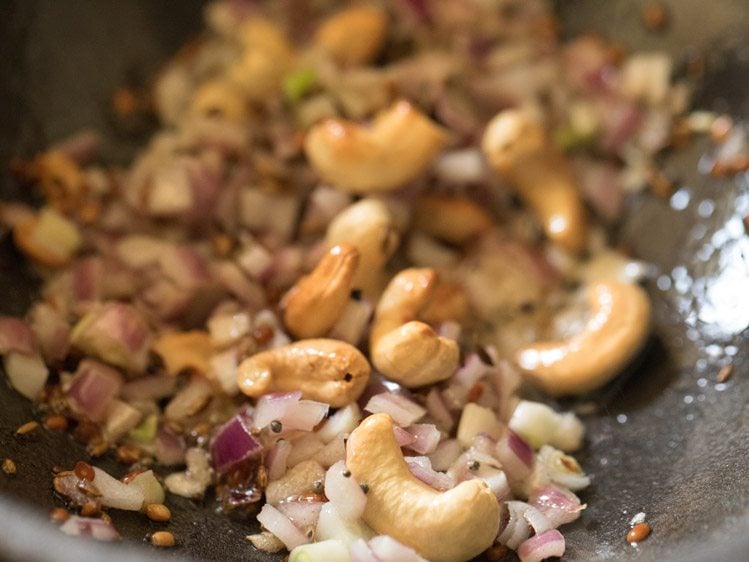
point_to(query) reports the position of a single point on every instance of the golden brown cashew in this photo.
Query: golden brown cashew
(315, 303)
(61, 179)
(48, 238)
(353, 35)
(326, 370)
(617, 329)
(394, 149)
(449, 302)
(453, 219)
(518, 148)
(370, 227)
(401, 347)
(450, 526)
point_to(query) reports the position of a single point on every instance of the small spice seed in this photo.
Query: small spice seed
(346, 473)
(57, 423)
(9, 467)
(158, 512)
(84, 471)
(639, 532)
(276, 426)
(162, 538)
(26, 428)
(364, 487)
(317, 486)
(473, 464)
(59, 515)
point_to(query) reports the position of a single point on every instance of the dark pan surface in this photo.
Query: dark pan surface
(668, 439)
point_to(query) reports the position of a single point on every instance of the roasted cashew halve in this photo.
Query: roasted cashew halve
(326, 370)
(518, 148)
(617, 329)
(403, 348)
(393, 150)
(450, 526)
(314, 304)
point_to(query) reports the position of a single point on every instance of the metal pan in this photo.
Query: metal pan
(668, 440)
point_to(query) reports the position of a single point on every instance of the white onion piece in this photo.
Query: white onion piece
(121, 418)
(264, 211)
(274, 406)
(552, 465)
(304, 514)
(517, 528)
(149, 486)
(331, 525)
(344, 491)
(16, 335)
(223, 368)
(51, 330)
(90, 527)
(496, 479)
(238, 284)
(117, 494)
(425, 473)
(404, 412)
(26, 373)
(138, 251)
(360, 552)
(446, 453)
(540, 425)
(255, 260)
(387, 549)
(304, 447)
(353, 321)
(461, 166)
(343, 422)
(190, 400)
(438, 411)
(331, 453)
(276, 459)
(322, 551)
(426, 437)
(304, 415)
(281, 526)
(476, 419)
(228, 327)
(546, 545)
(559, 505)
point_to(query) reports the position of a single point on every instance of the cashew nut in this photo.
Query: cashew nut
(456, 220)
(220, 99)
(617, 328)
(518, 148)
(353, 35)
(326, 370)
(370, 227)
(401, 347)
(450, 526)
(61, 179)
(314, 304)
(449, 302)
(393, 150)
(48, 238)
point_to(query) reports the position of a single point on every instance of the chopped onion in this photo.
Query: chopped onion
(51, 330)
(169, 447)
(184, 266)
(228, 327)
(517, 528)
(422, 469)
(446, 454)
(554, 466)
(403, 437)
(387, 549)
(117, 334)
(303, 514)
(233, 279)
(304, 447)
(138, 251)
(426, 437)
(274, 406)
(343, 422)
(264, 211)
(476, 419)
(546, 545)
(461, 166)
(281, 526)
(149, 486)
(276, 459)
(344, 491)
(121, 418)
(92, 389)
(223, 370)
(88, 279)
(471, 371)
(539, 425)
(16, 335)
(98, 529)
(304, 415)
(496, 479)
(26, 373)
(438, 411)
(516, 457)
(117, 494)
(404, 412)
(559, 505)
(190, 400)
(360, 552)
(232, 444)
(353, 321)
(149, 387)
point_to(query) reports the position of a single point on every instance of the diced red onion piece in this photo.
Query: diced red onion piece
(93, 388)
(51, 330)
(117, 334)
(274, 407)
(378, 384)
(169, 447)
(98, 529)
(387, 549)
(276, 459)
(16, 335)
(344, 491)
(517, 528)
(149, 387)
(303, 514)
(559, 505)
(403, 437)
(426, 437)
(546, 545)
(117, 494)
(360, 552)
(446, 454)
(471, 371)
(184, 266)
(517, 459)
(232, 444)
(602, 186)
(281, 526)
(424, 472)
(404, 412)
(438, 411)
(88, 279)
(238, 284)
